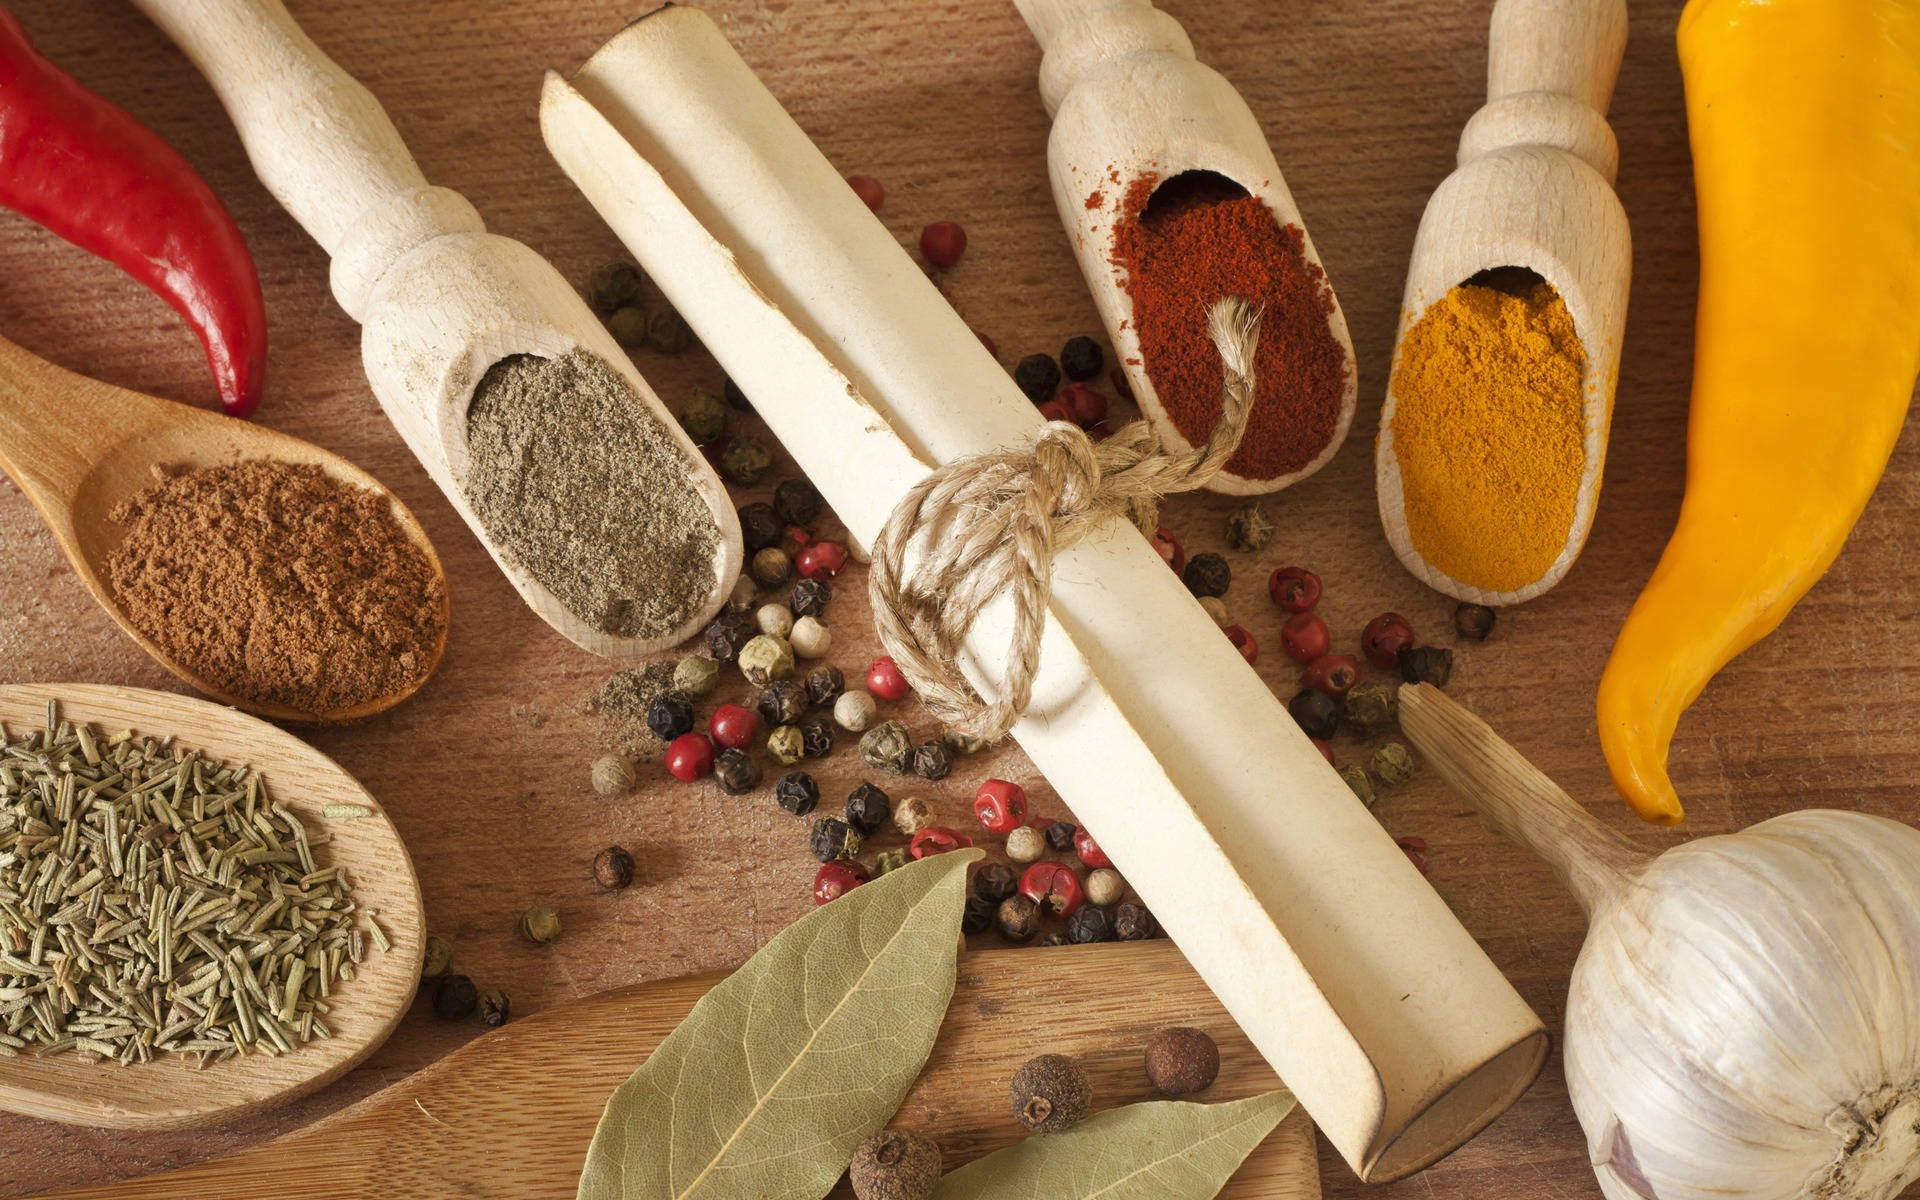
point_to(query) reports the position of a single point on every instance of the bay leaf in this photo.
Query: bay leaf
(1159, 1150)
(779, 1071)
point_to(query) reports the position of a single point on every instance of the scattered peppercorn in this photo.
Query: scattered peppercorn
(854, 711)
(810, 639)
(833, 838)
(961, 743)
(494, 1008)
(774, 619)
(794, 539)
(912, 815)
(937, 839)
(1000, 806)
(614, 775)
(759, 527)
(613, 868)
(1050, 1094)
(943, 242)
(1357, 780)
(1216, 608)
(1060, 835)
(733, 727)
(1295, 589)
(797, 793)
(1334, 674)
(781, 702)
(1473, 621)
(868, 808)
(1054, 410)
(932, 760)
(887, 747)
(1304, 637)
(835, 879)
(540, 924)
(786, 745)
(1207, 575)
(437, 959)
(872, 194)
(1055, 937)
(1038, 376)
(1415, 848)
(822, 560)
(1133, 923)
(1081, 358)
(745, 459)
(1325, 748)
(690, 757)
(1166, 543)
(1090, 924)
(695, 675)
(977, 917)
(1085, 406)
(667, 332)
(1427, 664)
(1017, 918)
(1089, 850)
(628, 325)
(704, 417)
(1392, 764)
(1025, 844)
(885, 679)
(613, 285)
(455, 998)
(810, 597)
(744, 596)
(736, 772)
(894, 1164)
(1105, 887)
(770, 566)
(730, 630)
(766, 658)
(816, 736)
(1373, 706)
(824, 684)
(891, 860)
(1384, 638)
(1249, 528)
(669, 715)
(1054, 887)
(1181, 1061)
(1317, 713)
(1242, 641)
(995, 881)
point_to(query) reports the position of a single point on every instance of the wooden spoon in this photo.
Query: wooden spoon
(77, 447)
(1129, 101)
(167, 1093)
(511, 1113)
(439, 299)
(1534, 191)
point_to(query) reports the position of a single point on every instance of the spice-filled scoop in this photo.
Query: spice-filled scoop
(264, 571)
(1494, 431)
(521, 406)
(1173, 201)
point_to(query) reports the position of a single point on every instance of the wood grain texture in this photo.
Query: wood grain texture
(168, 1093)
(485, 772)
(511, 1114)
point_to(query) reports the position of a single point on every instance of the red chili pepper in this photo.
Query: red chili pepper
(77, 164)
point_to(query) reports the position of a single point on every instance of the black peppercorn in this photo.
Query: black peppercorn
(833, 838)
(810, 598)
(1050, 1094)
(1181, 1061)
(1317, 713)
(824, 684)
(1060, 836)
(796, 501)
(736, 398)
(868, 808)
(1081, 359)
(613, 868)
(759, 527)
(1133, 923)
(894, 1165)
(1207, 575)
(816, 736)
(782, 702)
(932, 760)
(1426, 664)
(995, 881)
(1473, 621)
(730, 631)
(454, 998)
(494, 1008)
(978, 916)
(1090, 924)
(797, 793)
(736, 772)
(669, 715)
(1017, 918)
(1038, 376)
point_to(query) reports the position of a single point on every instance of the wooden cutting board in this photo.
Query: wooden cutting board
(511, 1113)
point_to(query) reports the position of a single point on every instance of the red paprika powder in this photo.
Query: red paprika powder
(1203, 238)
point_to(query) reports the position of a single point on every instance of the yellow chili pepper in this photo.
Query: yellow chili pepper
(1805, 122)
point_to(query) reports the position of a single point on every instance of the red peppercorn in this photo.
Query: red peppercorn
(885, 680)
(1415, 849)
(1243, 642)
(821, 560)
(1122, 386)
(796, 536)
(1171, 551)
(1000, 806)
(1086, 406)
(1295, 589)
(1089, 850)
(1334, 674)
(992, 347)
(1384, 638)
(937, 839)
(1054, 887)
(1325, 748)
(869, 189)
(1304, 637)
(1055, 410)
(733, 726)
(690, 757)
(943, 242)
(837, 878)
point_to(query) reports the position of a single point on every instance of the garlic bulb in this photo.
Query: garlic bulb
(1743, 1021)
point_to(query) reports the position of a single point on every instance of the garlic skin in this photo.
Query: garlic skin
(1744, 1019)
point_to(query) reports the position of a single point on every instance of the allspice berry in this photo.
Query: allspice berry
(1181, 1061)
(614, 775)
(540, 924)
(613, 868)
(437, 959)
(770, 567)
(894, 1165)
(1050, 1094)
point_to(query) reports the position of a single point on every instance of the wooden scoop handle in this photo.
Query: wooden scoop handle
(1551, 67)
(318, 139)
(1079, 35)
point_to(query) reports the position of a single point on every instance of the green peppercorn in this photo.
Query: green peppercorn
(1473, 621)
(540, 924)
(932, 760)
(1391, 764)
(765, 659)
(1051, 1093)
(816, 736)
(613, 286)
(833, 838)
(961, 743)
(786, 745)
(745, 459)
(868, 809)
(1207, 575)
(494, 1008)
(454, 998)
(666, 332)
(797, 793)
(628, 325)
(696, 675)
(437, 959)
(1426, 664)
(1317, 713)
(1373, 706)
(760, 527)
(886, 747)
(736, 772)
(1356, 779)
(890, 860)
(1248, 528)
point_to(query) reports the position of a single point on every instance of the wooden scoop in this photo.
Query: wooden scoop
(439, 298)
(77, 447)
(168, 1093)
(1533, 190)
(511, 1113)
(1129, 101)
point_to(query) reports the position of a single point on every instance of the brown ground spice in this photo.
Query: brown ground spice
(280, 584)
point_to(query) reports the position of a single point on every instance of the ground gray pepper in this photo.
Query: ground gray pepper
(582, 487)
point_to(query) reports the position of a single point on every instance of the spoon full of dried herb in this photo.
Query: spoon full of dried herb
(199, 914)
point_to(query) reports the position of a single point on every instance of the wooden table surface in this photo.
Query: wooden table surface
(485, 771)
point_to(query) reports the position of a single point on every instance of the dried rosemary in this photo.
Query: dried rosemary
(156, 901)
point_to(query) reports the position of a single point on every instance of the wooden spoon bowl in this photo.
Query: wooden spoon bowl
(169, 1093)
(78, 447)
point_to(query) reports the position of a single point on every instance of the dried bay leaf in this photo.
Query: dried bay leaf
(1160, 1150)
(779, 1071)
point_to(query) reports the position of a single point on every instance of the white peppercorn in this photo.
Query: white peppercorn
(854, 711)
(1104, 886)
(911, 815)
(766, 659)
(810, 638)
(771, 566)
(1026, 844)
(774, 619)
(614, 775)
(744, 593)
(696, 675)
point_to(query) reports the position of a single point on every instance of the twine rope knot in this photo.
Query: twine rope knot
(989, 526)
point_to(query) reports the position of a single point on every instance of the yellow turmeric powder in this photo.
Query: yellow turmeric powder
(1487, 428)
